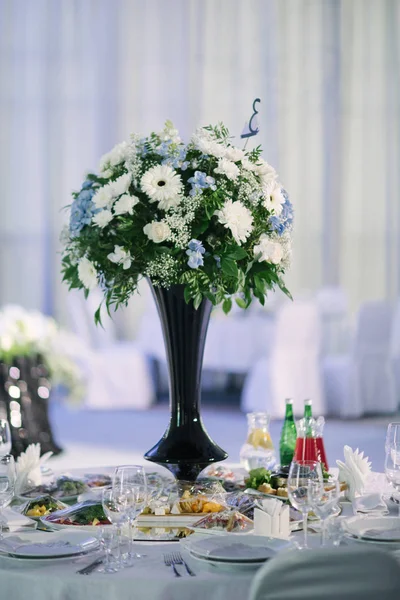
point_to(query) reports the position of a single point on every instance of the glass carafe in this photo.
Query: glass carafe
(258, 451)
(310, 442)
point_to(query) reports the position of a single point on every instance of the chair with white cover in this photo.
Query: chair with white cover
(395, 349)
(291, 368)
(328, 574)
(362, 381)
(333, 306)
(117, 373)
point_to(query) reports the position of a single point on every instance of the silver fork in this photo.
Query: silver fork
(169, 562)
(178, 560)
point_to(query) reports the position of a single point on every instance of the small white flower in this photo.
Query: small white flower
(120, 256)
(236, 217)
(234, 154)
(87, 273)
(273, 198)
(162, 184)
(157, 231)
(125, 204)
(113, 158)
(103, 197)
(270, 250)
(102, 218)
(228, 168)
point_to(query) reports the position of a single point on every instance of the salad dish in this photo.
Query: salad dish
(63, 488)
(42, 506)
(229, 521)
(85, 514)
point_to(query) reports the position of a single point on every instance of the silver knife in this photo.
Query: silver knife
(87, 570)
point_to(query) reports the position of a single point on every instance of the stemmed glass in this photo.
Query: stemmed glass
(392, 469)
(5, 438)
(6, 492)
(392, 435)
(304, 475)
(324, 501)
(131, 483)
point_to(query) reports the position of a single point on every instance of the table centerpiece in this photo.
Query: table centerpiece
(206, 223)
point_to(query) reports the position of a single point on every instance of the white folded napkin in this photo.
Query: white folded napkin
(370, 503)
(353, 471)
(272, 519)
(14, 521)
(28, 468)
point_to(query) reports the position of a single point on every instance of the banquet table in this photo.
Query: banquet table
(148, 579)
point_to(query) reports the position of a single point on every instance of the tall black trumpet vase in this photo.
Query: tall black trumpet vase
(185, 448)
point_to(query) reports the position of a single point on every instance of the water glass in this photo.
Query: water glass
(304, 475)
(115, 507)
(392, 468)
(6, 493)
(324, 501)
(5, 438)
(108, 541)
(334, 530)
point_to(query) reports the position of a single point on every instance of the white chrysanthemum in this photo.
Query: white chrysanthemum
(103, 197)
(102, 218)
(87, 273)
(157, 231)
(273, 198)
(125, 204)
(269, 250)
(266, 173)
(120, 186)
(162, 184)
(234, 154)
(228, 168)
(236, 217)
(248, 165)
(120, 256)
(205, 141)
(113, 158)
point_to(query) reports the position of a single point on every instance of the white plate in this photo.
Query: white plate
(93, 529)
(243, 548)
(374, 529)
(210, 565)
(46, 546)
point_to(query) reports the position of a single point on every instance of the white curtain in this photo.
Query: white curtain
(76, 76)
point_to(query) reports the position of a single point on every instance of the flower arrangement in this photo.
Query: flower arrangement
(26, 333)
(206, 214)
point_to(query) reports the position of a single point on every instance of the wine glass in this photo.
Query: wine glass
(392, 468)
(324, 501)
(5, 438)
(303, 475)
(6, 493)
(392, 435)
(131, 482)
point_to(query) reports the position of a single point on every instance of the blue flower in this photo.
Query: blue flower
(163, 148)
(195, 259)
(82, 210)
(87, 184)
(196, 246)
(200, 182)
(285, 219)
(218, 261)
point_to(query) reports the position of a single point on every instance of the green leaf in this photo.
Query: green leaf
(229, 267)
(236, 253)
(197, 300)
(241, 303)
(227, 305)
(187, 294)
(259, 283)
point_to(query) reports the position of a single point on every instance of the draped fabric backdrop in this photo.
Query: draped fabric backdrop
(77, 76)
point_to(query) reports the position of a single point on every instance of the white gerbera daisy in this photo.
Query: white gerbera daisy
(236, 217)
(273, 198)
(87, 273)
(162, 184)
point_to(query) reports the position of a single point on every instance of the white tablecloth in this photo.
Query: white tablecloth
(149, 579)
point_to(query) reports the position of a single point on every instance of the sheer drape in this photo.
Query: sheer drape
(78, 75)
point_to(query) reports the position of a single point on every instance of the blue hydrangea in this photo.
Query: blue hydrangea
(195, 254)
(280, 223)
(82, 209)
(177, 161)
(200, 182)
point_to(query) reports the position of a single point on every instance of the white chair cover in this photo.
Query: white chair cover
(363, 381)
(333, 307)
(349, 573)
(395, 350)
(291, 369)
(117, 373)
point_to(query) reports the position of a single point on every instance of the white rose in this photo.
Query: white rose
(270, 250)
(234, 154)
(102, 218)
(125, 204)
(157, 231)
(87, 273)
(228, 168)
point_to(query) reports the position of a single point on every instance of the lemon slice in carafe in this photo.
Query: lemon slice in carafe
(258, 438)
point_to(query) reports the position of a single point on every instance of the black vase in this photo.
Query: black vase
(185, 448)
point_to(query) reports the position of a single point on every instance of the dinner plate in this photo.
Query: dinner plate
(374, 529)
(244, 548)
(48, 546)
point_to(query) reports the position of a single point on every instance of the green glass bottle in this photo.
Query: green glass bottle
(287, 442)
(308, 416)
